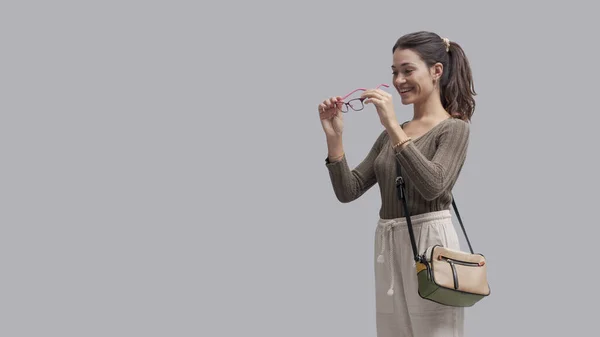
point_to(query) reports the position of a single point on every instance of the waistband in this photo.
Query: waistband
(417, 219)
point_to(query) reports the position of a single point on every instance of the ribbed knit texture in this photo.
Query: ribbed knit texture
(430, 166)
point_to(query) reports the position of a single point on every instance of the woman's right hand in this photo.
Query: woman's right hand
(331, 116)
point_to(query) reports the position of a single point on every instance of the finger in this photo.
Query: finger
(333, 101)
(329, 114)
(384, 93)
(372, 96)
(372, 100)
(322, 108)
(371, 93)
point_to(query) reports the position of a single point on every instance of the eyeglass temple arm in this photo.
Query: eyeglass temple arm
(363, 89)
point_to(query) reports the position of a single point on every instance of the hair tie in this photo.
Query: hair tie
(447, 43)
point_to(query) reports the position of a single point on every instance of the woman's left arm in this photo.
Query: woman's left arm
(430, 177)
(433, 177)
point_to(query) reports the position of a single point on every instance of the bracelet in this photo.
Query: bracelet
(402, 142)
(338, 158)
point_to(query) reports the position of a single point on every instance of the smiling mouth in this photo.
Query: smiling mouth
(405, 90)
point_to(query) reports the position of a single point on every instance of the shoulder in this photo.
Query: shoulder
(453, 131)
(456, 126)
(457, 123)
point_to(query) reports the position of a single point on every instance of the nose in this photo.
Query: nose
(399, 80)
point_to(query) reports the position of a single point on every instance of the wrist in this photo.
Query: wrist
(398, 137)
(393, 127)
(333, 137)
(391, 123)
(335, 147)
(334, 158)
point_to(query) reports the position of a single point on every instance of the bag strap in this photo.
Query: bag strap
(402, 196)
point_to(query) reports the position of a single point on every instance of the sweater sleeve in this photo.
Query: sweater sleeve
(433, 177)
(349, 184)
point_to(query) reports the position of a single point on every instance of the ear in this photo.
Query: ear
(436, 71)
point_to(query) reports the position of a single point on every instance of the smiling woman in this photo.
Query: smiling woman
(428, 60)
(433, 74)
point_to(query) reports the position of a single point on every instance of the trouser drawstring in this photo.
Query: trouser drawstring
(387, 230)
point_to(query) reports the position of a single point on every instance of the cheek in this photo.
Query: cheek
(425, 83)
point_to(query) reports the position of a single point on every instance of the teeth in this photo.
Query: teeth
(405, 90)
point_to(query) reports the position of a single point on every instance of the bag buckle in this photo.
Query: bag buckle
(399, 185)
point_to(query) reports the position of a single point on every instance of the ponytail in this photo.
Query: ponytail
(457, 91)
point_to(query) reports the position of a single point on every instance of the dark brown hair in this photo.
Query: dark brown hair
(456, 84)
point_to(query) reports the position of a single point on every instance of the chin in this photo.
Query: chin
(407, 101)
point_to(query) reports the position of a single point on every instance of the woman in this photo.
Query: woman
(434, 75)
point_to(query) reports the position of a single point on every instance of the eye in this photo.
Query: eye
(408, 71)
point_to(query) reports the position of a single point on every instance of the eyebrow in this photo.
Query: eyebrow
(403, 64)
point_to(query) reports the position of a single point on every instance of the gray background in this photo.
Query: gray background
(163, 165)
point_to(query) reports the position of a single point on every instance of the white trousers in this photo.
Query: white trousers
(400, 310)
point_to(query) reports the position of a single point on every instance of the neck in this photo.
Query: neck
(430, 109)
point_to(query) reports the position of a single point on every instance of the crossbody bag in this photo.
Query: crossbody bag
(446, 276)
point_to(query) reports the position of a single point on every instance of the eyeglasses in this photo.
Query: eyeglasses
(356, 104)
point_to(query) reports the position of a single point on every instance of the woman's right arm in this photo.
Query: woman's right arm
(349, 184)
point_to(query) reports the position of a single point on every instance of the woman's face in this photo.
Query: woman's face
(413, 79)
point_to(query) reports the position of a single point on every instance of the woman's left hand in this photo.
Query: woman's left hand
(384, 105)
